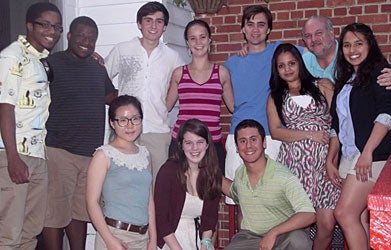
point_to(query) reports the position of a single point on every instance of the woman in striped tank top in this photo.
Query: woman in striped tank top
(200, 86)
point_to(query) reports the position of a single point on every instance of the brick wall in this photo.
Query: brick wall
(288, 18)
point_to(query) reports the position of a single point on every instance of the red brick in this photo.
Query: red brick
(297, 14)
(230, 19)
(282, 16)
(310, 13)
(274, 7)
(369, 9)
(326, 12)
(216, 20)
(385, 8)
(309, 4)
(284, 25)
(340, 12)
(379, 28)
(355, 10)
(382, 18)
(338, 3)
(219, 37)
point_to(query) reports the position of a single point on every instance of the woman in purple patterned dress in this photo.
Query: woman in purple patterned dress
(298, 115)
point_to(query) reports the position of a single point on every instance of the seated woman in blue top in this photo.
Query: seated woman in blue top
(361, 111)
(188, 191)
(120, 175)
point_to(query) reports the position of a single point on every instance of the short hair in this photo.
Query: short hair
(150, 8)
(197, 22)
(249, 123)
(253, 10)
(83, 20)
(325, 20)
(35, 11)
(124, 100)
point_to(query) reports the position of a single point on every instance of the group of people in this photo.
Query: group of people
(294, 110)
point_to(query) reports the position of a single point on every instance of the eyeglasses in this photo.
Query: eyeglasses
(124, 121)
(47, 26)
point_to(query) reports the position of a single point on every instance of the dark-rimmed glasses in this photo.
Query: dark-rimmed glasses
(124, 121)
(47, 26)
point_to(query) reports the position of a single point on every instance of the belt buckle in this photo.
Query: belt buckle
(143, 229)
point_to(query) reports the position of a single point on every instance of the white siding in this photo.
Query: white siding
(116, 22)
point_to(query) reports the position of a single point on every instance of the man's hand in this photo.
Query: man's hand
(268, 241)
(385, 78)
(18, 171)
(244, 51)
(98, 58)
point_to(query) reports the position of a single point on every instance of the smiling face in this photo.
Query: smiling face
(198, 40)
(355, 48)
(194, 147)
(256, 29)
(250, 145)
(152, 26)
(41, 37)
(288, 67)
(130, 132)
(82, 40)
(317, 37)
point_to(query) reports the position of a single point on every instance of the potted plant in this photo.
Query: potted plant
(202, 6)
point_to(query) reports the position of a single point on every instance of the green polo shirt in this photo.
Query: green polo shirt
(276, 197)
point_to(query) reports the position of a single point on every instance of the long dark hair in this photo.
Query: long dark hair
(279, 87)
(209, 176)
(344, 70)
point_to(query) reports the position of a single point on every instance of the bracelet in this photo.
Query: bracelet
(207, 242)
(311, 135)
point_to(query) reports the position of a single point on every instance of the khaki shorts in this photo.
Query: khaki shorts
(233, 160)
(349, 167)
(134, 241)
(67, 188)
(22, 206)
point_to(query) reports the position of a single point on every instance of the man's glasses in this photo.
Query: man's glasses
(124, 121)
(47, 26)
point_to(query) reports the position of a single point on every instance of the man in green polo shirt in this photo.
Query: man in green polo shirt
(274, 204)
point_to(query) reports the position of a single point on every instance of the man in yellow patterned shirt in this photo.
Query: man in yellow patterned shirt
(24, 101)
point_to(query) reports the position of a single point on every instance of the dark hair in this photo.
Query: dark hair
(344, 70)
(124, 100)
(279, 87)
(197, 22)
(252, 10)
(35, 11)
(209, 177)
(249, 123)
(150, 8)
(83, 20)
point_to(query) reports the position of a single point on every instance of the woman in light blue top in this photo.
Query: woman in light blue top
(120, 176)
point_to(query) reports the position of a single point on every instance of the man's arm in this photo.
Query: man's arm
(385, 78)
(111, 96)
(17, 169)
(226, 186)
